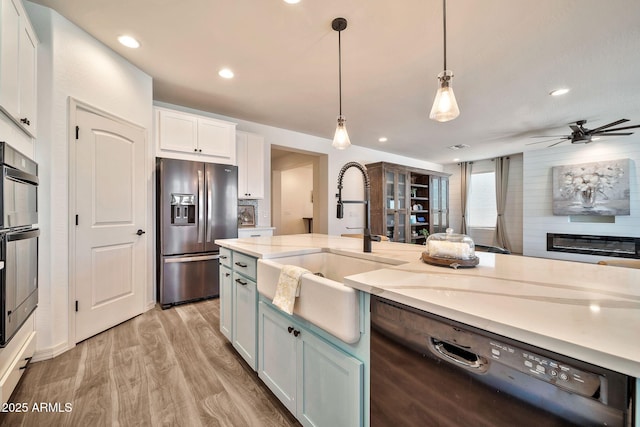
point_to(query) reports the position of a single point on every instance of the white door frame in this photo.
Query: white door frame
(74, 106)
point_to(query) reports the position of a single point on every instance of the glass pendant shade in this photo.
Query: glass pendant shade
(445, 107)
(341, 138)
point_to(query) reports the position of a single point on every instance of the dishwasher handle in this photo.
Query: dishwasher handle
(458, 356)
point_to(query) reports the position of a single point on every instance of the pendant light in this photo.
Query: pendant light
(445, 107)
(341, 138)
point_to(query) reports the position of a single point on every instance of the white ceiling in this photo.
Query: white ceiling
(507, 55)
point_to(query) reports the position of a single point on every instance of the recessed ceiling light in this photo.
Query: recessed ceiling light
(559, 92)
(129, 41)
(226, 73)
(383, 139)
(292, 1)
(456, 159)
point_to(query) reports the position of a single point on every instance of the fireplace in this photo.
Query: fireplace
(614, 246)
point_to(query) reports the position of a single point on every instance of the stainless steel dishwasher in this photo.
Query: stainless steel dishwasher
(431, 371)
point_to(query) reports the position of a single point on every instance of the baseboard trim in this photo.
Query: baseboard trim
(51, 352)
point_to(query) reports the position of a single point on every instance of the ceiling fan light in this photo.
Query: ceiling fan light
(445, 106)
(341, 138)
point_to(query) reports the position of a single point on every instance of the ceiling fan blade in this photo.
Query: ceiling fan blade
(616, 129)
(547, 140)
(617, 122)
(549, 136)
(553, 145)
(613, 134)
(576, 128)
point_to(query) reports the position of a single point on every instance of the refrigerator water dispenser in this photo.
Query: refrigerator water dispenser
(183, 209)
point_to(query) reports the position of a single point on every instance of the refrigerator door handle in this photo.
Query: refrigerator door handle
(209, 206)
(191, 258)
(201, 223)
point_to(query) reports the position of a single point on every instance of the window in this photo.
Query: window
(482, 212)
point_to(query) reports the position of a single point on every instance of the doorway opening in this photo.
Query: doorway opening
(299, 191)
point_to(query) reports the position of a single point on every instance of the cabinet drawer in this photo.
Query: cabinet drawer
(10, 379)
(245, 265)
(225, 257)
(254, 232)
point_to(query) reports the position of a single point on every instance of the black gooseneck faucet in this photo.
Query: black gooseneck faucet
(367, 238)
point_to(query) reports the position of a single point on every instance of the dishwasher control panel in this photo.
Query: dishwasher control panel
(549, 370)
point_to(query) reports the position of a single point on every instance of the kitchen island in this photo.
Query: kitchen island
(586, 311)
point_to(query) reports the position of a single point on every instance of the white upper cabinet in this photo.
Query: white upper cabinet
(250, 154)
(192, 137)
(18, 53)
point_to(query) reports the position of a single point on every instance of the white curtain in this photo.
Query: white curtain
(465, 180)
(502, 180)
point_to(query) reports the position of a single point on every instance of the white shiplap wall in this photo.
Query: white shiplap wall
(538, 217)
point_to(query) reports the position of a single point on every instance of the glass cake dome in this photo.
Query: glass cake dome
(450, 245)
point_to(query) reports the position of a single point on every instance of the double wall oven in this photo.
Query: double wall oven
(18, 240)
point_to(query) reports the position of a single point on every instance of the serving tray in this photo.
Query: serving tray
(450, 262)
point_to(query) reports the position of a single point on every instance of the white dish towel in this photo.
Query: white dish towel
(288, 287)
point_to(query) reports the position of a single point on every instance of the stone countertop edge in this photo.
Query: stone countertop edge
(542, 302)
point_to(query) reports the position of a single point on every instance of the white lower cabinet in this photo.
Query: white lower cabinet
(319, 383)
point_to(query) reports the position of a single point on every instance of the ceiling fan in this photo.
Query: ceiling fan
(582, 135)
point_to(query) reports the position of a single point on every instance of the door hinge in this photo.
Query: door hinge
(76, 306)
(77, 132)
(76, 219)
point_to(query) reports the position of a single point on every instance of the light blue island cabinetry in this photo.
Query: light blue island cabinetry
(319, 383)
(238, 303)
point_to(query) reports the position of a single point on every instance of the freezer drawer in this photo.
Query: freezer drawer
(188, 278)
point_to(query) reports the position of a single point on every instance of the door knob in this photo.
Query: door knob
(140, 232)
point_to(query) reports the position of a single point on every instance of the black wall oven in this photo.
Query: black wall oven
(18, 240)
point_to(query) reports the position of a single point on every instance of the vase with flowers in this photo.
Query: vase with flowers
(588, 182)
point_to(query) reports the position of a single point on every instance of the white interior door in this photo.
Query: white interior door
(110, 259)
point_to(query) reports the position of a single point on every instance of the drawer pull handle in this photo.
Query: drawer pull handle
(243, 283)
(27, 359)
(241, 264)
(223, 257)
(296, 333)
(227, 274)
(25, 121)
(290, 329)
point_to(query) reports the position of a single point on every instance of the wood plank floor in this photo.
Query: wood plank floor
(163, 368)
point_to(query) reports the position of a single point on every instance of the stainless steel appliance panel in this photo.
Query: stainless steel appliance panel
(18, 189)
(427, 370)
(222, 199)
(187, 278)
(19, 254)
(181, 189)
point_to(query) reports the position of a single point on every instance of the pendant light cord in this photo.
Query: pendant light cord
(340, 71)
(444, 27)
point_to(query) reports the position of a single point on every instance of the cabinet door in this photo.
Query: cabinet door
(216, 138)
(277, 354)
(444, 204)
(177, 131)
(396, 204)
(9, 54)
(328, 378)
(226, 301)
(250, 157)
(28, 53)
(244, 318)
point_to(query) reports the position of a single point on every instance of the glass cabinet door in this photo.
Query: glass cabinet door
(402, 191)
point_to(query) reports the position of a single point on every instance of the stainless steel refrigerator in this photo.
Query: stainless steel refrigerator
(196, 203)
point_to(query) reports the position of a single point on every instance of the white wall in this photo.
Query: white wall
(538, 215)
(353, 187)
(296, 186)
(71, 63)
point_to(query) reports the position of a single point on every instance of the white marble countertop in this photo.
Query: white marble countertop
(586, 311)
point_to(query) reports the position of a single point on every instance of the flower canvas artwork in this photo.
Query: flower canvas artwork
(598, 188)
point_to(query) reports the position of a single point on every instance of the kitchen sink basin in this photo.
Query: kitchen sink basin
(324, 300)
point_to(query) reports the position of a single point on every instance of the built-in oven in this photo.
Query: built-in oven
(19, 279)
(19, 189)
(18, 240)
(430, 371)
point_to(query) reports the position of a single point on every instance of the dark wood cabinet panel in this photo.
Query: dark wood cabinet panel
(405, 201)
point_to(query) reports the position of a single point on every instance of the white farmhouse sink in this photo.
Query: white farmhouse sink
(323, 301)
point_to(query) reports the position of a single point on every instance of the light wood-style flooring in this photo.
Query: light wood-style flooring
(163, 368)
